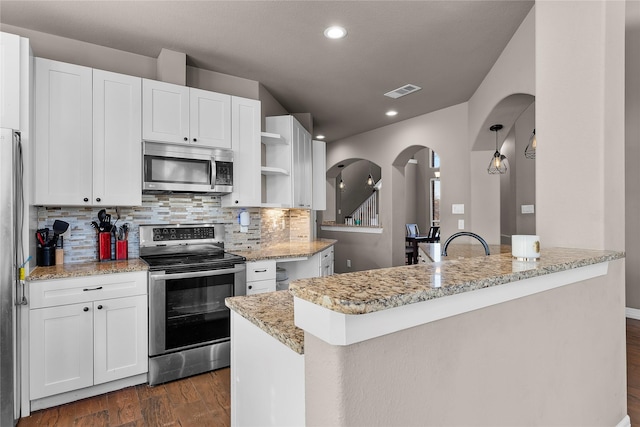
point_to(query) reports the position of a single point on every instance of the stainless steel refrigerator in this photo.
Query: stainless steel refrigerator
(11, 257)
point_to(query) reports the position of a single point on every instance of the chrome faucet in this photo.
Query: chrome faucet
(464, 233)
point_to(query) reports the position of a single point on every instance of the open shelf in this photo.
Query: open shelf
(272, 138)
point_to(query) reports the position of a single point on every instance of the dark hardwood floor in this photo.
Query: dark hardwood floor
(204, 400)
(633, 370)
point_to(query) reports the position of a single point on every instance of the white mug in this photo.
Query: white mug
(525, 247)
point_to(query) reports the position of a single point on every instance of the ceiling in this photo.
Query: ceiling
(445, 47)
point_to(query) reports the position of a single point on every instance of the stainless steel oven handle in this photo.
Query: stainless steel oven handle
(172, 276)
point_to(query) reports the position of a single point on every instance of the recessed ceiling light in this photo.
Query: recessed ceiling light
(391, 113)
(335, 32)
(319, 136)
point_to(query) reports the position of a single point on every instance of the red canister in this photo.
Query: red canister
(104, 246)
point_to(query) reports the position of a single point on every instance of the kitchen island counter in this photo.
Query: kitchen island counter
(382, 289)
(64, 271)
(286, 250)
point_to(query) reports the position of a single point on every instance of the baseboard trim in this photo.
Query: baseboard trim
(632, 313)
(625, 422)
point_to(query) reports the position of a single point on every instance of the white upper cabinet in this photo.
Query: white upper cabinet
(210, 118)
(245, 136)
(87, 137)
(319, 172)
(63, 134)
(165, 112)
(117, 123)
(179, 114)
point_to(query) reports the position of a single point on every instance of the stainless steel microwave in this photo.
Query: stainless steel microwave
(186, 168)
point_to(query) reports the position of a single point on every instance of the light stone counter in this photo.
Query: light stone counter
(287, 250)
(381, 289)
(273, 313)
(87, 269)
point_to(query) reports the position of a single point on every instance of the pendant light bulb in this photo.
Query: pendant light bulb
(530, 151)
(498, 164)
(370, 182)
(342, 185)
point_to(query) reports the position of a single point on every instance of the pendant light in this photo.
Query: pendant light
(498, 164)
(530, 151)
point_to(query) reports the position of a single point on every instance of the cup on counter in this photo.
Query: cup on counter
(45, 256)
(525, 247)
(122, 249)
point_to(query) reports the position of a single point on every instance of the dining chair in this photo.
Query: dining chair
(412, 229)
(434, 235)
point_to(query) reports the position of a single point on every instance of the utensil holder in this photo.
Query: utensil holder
(45, 256)
(104, 246)
(122, 249)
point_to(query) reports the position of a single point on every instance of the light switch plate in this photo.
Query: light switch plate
(461, 224)
(527, 209)
(457, 209)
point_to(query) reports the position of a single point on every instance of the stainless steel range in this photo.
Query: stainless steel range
(190, 275)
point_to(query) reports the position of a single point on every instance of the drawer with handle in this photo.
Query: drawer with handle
(51, 293)
(261, 270)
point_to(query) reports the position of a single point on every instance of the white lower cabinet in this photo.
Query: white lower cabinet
(101, 336)
(261, 277)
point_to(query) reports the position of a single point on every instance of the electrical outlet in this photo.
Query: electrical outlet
(348, 263)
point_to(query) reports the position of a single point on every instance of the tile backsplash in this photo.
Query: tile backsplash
(268, 226)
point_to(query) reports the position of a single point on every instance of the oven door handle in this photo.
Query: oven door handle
(172, 276)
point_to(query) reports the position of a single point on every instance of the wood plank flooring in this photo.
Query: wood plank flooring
(202, 400)
(633, 370)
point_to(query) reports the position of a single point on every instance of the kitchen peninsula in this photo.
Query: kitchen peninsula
(484, 340)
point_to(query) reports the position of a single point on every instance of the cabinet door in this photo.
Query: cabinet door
(301, 180)
(61, 349)
(120, 338)
(165, 112)
(261, 286)
(319, 177)
(63, 134)
(117, 124)
(9, 81)
(210, 118)
(245, 139)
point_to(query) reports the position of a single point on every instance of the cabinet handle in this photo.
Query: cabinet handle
(100, 307)
(85, 309)
(237, 202)
(264, 270)
(250, 287)
(92, 289)
(195, 139)
(97, 199)
(86, 199)
(186, 139)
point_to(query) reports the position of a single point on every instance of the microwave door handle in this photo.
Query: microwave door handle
(213, 173)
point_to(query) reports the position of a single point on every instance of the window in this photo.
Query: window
(434, 159)
(435, 202)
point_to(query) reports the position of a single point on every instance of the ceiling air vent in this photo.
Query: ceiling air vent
(402, 91)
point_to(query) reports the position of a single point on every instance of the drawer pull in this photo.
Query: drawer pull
(92, 289)
(85, 309)
(100, 307)
(260, 271)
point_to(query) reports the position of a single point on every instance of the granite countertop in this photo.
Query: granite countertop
(87, 269)
(273, 313)
(287, 250)
(385, 288)
(460, 250)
